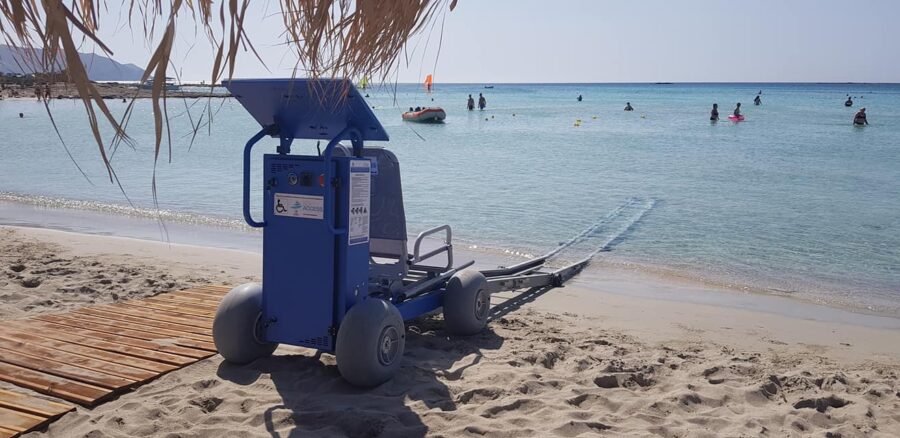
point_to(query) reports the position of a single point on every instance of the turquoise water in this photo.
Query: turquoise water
(792, 201)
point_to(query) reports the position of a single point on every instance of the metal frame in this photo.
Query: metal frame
(447, 247)
(420, 287)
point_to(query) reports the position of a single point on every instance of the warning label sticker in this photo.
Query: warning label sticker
(360, 185)
(302, 206)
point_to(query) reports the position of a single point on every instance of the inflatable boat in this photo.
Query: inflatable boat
(426, 115)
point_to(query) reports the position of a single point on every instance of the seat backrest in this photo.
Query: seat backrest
(387, 219)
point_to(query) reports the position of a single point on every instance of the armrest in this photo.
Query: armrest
(446, 247)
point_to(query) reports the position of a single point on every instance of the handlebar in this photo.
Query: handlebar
(249, 147)
(354, 136)
(349, 132)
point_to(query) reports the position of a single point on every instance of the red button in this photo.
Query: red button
(321, 180)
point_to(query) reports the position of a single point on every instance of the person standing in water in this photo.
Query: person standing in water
(860, 118)
(481, 102)
(757, 101)
(579, 98)
(714, 114)
(849, 102)
(471, 103)
(628, 106)
(737, 110)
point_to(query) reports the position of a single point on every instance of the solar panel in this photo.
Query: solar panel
(307, 108)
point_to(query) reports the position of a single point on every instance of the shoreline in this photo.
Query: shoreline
(108, 90)
(604, 280)
(621, 302)
(95, 218)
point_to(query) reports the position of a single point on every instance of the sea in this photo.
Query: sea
(793, 201)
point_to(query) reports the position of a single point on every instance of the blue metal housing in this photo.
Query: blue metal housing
(312, 272)
(315, 209)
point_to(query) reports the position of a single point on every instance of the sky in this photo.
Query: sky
(503, 41)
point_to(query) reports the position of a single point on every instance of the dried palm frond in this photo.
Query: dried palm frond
(332, 38)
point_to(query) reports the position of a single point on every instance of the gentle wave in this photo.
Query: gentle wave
(593, 240)
(125, 210)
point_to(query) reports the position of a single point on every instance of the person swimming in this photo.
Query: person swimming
(628, 106)
(757, 100)
(714, 114)
(470, 105)
(737, 110)
(860, 118)
(849, 102)
(481, 102)
(579, 98)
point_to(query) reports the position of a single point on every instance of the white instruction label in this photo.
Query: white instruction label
(303, 206)
(360, 185)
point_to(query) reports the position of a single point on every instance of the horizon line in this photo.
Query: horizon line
(373, 85)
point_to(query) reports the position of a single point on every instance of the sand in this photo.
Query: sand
(567, 362)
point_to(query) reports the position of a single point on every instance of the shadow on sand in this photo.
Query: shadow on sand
(316, 400)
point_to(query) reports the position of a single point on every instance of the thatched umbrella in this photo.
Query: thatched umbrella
(337, 38)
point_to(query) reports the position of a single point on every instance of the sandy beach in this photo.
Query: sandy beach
(575, 361)
(699, 202)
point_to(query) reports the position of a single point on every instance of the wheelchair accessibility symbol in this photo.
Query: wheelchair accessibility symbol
(299, 206)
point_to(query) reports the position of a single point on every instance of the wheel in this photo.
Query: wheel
(370, 343)
(467, 303)
(236, 327)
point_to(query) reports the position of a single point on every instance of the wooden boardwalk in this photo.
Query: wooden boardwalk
(20, 413)
(94, 353)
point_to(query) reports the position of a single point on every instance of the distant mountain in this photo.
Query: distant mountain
(100, 68)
